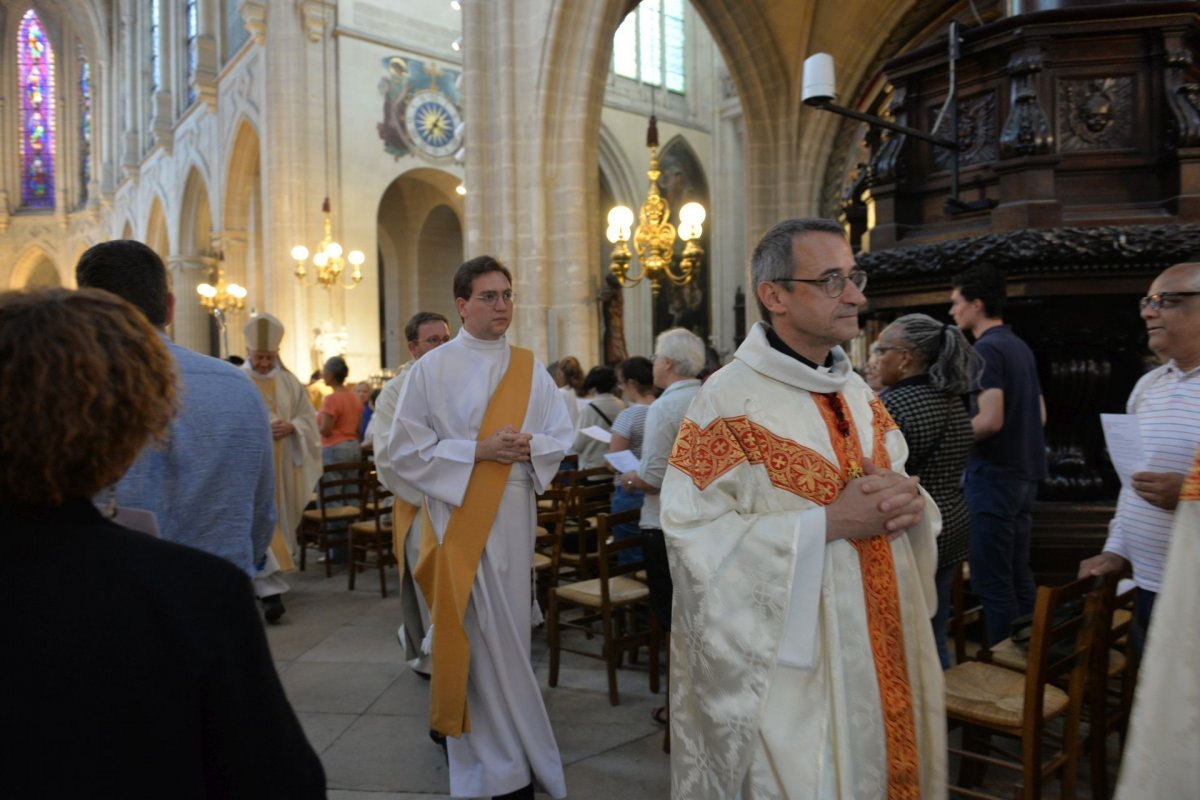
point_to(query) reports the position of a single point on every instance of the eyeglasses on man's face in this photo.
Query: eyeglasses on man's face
(834, 283)
(1160, 300)
(490, 298)
(438, 339)
(877, 349)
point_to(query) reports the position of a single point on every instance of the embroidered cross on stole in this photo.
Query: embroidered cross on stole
(446, 571)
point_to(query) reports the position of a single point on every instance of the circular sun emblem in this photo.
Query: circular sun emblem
(432, 120)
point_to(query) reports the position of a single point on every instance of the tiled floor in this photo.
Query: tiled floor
(365, 710)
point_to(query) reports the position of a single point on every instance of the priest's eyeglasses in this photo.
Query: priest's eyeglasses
(1161, 300)
(490, 298)
(834, 283)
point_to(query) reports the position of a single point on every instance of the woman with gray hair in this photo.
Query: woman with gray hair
(928, 369)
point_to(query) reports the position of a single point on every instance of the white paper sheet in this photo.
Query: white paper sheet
(597, 433)
(1123, 435)
(622, 460)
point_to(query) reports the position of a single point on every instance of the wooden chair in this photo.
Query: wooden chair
(603, 600)
(962, 616)
(372, 536)
(1111, 681)
(589, 499)
(548, 545)
(987, 698)
(326, 525)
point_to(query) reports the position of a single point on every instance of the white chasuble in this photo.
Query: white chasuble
(431, 446)
(1162, 756)
(297, 456)
(799, 669)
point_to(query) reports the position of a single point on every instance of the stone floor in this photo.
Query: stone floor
(365, 711)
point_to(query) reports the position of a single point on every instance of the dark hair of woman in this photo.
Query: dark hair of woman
(85, 383)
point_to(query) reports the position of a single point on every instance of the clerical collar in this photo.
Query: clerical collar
(782, 346)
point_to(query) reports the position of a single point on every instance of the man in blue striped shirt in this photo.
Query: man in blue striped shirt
(211, 485)
(1167, 403)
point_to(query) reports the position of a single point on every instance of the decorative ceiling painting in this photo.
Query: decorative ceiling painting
(421, 112)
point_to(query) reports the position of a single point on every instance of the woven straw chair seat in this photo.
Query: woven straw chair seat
(621, 590)
(1010, 655)
(337, 512)
(994, 695)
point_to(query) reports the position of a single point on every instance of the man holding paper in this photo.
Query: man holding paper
(803, 664)
(480, 427)
(1166, 402)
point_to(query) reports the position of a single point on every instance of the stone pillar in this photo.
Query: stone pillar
(532, 165)
(233, 261)
(288, 70)
(190, 327)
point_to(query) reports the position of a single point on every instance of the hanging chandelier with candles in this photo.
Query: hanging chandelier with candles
(655, 237)
(221, 296)
(327, 261)
(325, 266)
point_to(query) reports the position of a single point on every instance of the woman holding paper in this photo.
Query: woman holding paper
(596, 418)
(636, 377)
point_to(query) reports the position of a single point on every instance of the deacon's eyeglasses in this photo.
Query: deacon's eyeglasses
(490, 298)
(436, 339)
(834, 283)
(876, 349)
(1161, 300)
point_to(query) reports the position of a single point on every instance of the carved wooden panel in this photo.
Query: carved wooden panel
(1095, 114)
(977, 131)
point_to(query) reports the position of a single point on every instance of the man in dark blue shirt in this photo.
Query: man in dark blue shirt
(1009, 458)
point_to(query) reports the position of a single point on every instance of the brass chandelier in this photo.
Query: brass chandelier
(327, 265)
(655, 237)
(220, 296)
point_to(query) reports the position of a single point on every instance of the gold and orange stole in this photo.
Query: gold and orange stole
(704, 454)
(446, 571)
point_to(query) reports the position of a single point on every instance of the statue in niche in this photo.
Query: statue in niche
(612, 306)
(327, 343)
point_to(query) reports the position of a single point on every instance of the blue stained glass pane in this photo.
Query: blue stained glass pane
(155, 44)
(35, 65)
(673, 38)
(85, 123)
(650, 41)
(625, 55)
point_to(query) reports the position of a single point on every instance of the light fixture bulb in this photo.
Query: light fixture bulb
(613, 233)
(299, 253)
(620, 216)
(236, 291)
(320, 260)
(205, 290)
(457, 6)
(692, 214)
(356, 258)
(457, 44)
(461, 188)
(333, 250)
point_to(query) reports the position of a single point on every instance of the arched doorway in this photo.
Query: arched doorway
(35, 270)
(241, 240)
(192, 265)
(420, 235)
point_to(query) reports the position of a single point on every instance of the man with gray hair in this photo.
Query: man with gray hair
(803, 559)
(678, 358)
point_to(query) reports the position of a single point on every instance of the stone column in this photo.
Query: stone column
(190, 327)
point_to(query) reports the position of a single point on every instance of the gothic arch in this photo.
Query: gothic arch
(157, 238)
(34, 268)
(624, 181)
(242, 234)
(195, 216)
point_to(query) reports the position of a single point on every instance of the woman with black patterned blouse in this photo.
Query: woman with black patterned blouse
(928, 370)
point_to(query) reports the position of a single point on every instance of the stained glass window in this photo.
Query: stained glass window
(192, 29)
(85, 122)
(155, 49)
(649, 45)
(235, 29)
(35, 62)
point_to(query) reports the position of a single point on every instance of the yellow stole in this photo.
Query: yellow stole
(446, 571)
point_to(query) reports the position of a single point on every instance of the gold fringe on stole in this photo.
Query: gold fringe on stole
(446, 572)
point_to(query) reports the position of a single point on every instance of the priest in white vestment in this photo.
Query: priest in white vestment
(802, 661)
(423, 332)
(1162, 756)
(434, 446)
(297, 445)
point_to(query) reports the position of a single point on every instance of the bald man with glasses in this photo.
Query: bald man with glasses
(1167, 403)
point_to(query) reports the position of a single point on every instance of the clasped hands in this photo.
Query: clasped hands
(506, 446)
(281, 428)
(880, 503)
